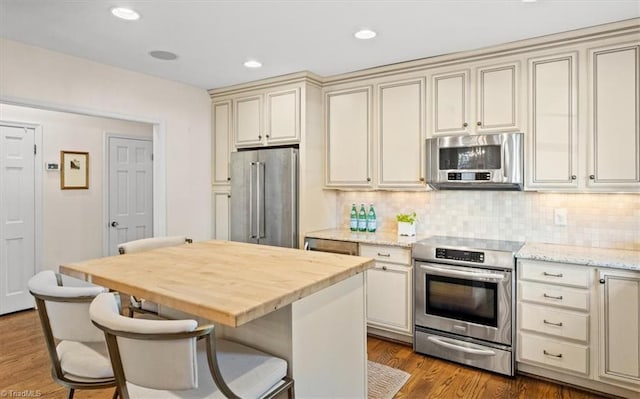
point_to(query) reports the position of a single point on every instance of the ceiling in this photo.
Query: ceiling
(213, 38)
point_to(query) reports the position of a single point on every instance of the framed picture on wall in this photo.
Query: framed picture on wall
(74, 171)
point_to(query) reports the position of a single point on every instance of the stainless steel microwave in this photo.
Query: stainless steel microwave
(484, 161)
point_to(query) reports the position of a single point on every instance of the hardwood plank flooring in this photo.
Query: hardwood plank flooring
(25, 370)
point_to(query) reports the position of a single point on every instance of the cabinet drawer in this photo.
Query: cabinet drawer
(553, 353)
(555, 273)
(386, 253)
(552, 321)
(554, 295)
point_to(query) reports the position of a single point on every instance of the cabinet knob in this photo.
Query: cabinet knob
(259, 137)
(228, 179)
(267, 136)
(479, 123)
(368, 179)
(592, 177)
(602, 281)
(573, 177)
(422, 179)
(228, 195)
(384, 268)
(465, 124)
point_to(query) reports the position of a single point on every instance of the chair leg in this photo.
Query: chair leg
(115, 394)
(71, 392)
(291, 394)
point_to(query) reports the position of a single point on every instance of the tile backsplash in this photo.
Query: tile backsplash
(592, 220)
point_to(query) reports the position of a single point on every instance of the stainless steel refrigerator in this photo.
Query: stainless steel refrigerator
(264, 197)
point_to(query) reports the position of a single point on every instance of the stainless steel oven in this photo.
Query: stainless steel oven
(464, 301)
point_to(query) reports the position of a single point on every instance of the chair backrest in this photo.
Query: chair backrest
(147, 244)
(157, 354)
(66, 308)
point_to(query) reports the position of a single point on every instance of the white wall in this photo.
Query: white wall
(36, 75)
(593, 220)
(73, 220)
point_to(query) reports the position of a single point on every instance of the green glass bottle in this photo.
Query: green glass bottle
(371, 220)
(353, 225)
(362, 219)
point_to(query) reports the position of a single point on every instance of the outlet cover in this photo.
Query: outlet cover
(560, 216)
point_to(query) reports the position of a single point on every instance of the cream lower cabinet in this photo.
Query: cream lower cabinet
(579, 325)
(389, 291)
(553, 315)
(221, 201)
(619, 323)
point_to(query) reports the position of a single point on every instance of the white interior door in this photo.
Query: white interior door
(17, 217)
(130, 190)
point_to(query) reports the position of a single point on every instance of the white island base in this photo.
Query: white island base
(322, 336)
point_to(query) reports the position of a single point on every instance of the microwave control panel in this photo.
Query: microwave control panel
(469, 176)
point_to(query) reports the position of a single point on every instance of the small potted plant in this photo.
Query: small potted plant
(406, 224)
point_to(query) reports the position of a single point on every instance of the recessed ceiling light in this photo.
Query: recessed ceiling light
(253, 64)
(529, 1)
(365, 34)
(163, 55)
(125, 13)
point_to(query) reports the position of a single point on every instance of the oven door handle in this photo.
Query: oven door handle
(451, 344)
(460, 273)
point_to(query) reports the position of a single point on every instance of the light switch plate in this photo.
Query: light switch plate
(51, 166)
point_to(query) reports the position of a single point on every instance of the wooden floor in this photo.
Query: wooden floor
(25, 370)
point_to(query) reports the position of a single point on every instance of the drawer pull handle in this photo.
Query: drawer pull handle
(552, 274)
(559, 355)
(553, 324)
(552, 297)
(385, 255)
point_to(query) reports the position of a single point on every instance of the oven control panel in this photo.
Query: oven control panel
(456, 254)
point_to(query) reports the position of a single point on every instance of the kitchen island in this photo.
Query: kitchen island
(306, 307)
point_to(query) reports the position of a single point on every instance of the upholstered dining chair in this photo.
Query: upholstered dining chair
(165, 359)
(77, 349)
(138, 304)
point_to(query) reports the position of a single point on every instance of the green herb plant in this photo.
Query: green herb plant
(406, 217)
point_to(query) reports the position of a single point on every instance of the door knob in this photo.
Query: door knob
(114, 224)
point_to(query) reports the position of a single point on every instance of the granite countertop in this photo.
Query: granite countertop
(599, 257)
(377, 238)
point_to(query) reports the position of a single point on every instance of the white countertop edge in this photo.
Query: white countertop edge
(588, 256)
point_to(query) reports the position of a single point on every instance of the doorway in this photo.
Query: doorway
(129, 190)
(20, 182)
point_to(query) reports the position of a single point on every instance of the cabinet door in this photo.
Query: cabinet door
(389, 297)
(248, 121)
(497, 98)
(450, 98)
(401, 134)
(221, 140)
(553, 141)
(348, 124)
(283, 117)
(221, 215)
(615, 119)
(619, 298)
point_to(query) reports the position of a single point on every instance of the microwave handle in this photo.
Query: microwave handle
(460, 273)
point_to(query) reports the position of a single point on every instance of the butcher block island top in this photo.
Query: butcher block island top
(226, 282)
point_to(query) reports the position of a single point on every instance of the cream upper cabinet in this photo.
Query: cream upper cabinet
(267, 118)
(401, 136)
(450, 102)
(552, 138)
(619, 323)
(221, 112)
(494, 90)
(614, 126)
(348, 137)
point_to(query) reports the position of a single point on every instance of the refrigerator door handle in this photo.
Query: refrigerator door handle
(252, 209)
(260, 199)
